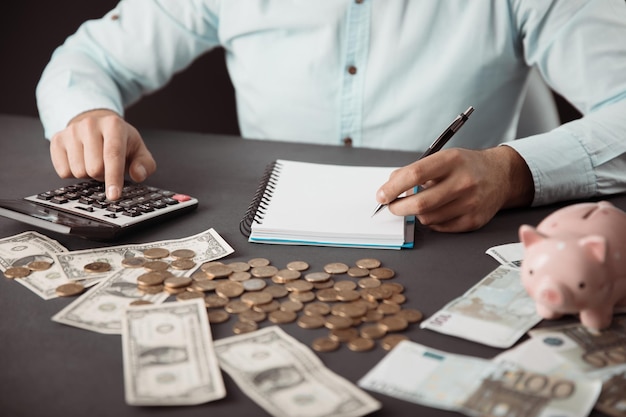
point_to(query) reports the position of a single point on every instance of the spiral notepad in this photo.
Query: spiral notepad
(302, 203)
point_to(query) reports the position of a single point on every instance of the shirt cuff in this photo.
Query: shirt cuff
(560, 166)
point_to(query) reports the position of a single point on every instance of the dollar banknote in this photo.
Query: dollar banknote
(24, 248)
(496, 311)
(101, 308)
(286, 378)
(168, 354)
(208, 245)
(510, 254)
(475, 386)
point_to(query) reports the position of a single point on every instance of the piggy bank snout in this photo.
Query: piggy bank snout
(551, 296)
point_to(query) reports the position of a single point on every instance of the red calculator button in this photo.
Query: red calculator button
(181, 197)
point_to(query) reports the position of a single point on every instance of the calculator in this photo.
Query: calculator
(82, 209)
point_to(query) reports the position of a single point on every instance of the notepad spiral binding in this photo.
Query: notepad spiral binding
(262, 196)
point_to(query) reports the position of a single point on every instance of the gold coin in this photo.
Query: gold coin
(286, 275)
(394, 323)
(324, 284)
(267, 307)
(303, 297)
(182, 264)
(336, 268)
(189, 295)
(254, 262)
(154, 289)
(281, 317)
(348, 310)
(396, 299)
(183, 254)
(69, 289)
(265, 271)
(97, 267)
(174, 290)
(327, 295)
(215, 301)
(39, 265)
(218, 316)
(375, 294)
(411, 315)
(277, 291)
(317, 276)
(240, 276)
(210, 264)
(216, 270)
(229, 289)
(390, 341)
(343, 335)
(368, 263)
(372, 316)
(236, 306)
(298, 286)
(298, 266)
(388, 308)
(252, 315)
(394, 287)
(257, 298)
(239, 266)
(337, 322)
(151, 278)
(203, 286)
(291, 305)
(140, 303)
(17, 272)
(241, 327)
(358, 272)
(344, 285)
(177, 282)
(373, 331)
(317, 308)
(382, 273)
(254, 284)
(361, 344)
(348, 295)
(369, 282)
(156, 253)
(311, 322)
(325, 344)
(156, 265)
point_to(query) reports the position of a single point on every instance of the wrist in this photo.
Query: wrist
(520, 187)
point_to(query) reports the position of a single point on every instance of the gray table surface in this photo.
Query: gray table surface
(49, 369)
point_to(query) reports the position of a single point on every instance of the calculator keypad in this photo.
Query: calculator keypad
(138, 202)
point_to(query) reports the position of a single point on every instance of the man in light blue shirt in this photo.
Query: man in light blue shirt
(374, 73)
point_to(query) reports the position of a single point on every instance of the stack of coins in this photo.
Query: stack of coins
(65, 290)
(357, 305)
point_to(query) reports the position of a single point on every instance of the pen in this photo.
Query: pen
(439, 142)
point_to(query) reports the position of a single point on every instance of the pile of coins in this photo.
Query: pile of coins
(357, 304)
(66, 290)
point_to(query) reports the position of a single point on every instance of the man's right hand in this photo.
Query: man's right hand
(100, 144)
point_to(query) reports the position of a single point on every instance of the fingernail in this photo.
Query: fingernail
(380, 196)
(141, 172)
(113, 192)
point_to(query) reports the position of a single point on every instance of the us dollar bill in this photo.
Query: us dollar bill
(168, 355)
(286, 378)
(21, 249)
(497, 311)
(475, 386)
(101, 308)
(208, 245)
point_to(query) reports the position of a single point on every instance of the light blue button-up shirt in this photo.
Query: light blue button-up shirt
(387, 74)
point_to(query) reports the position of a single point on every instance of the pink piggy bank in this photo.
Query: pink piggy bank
(575, 262)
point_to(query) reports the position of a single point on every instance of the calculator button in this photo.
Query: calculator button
(170, 201)
(181, 197)
(59, 199)
(45, 196)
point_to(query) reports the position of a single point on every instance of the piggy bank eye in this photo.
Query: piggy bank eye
(581, 285)
(530, 272)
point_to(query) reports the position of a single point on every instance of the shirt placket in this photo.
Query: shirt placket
(353, 79)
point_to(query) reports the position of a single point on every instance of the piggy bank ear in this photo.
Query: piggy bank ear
(594, 245)
(528, 235)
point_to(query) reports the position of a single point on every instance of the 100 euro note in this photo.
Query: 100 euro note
(286, 378)
(168, 353)
(475, 386)
(496, 312)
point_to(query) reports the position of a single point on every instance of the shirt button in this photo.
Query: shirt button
(347, 142)
(352, 69)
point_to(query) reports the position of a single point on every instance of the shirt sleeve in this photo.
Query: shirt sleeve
(135, 49)
(578, 47)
